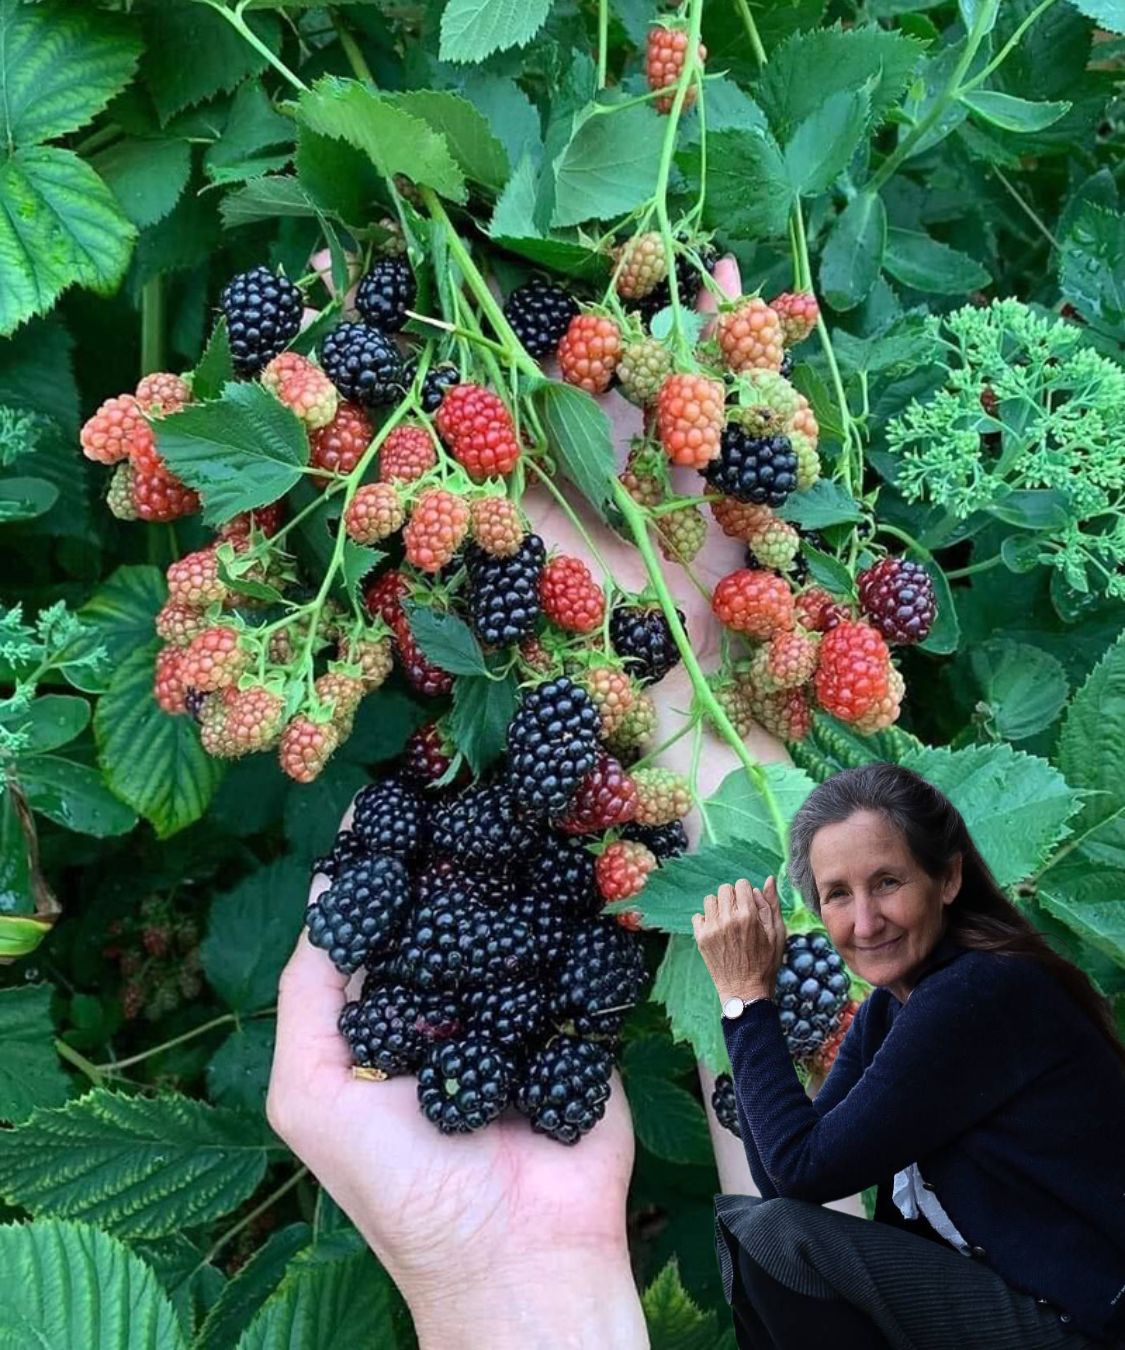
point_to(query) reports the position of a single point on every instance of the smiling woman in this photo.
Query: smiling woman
(981, 1088)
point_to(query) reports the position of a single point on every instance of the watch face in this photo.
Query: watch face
(733, 1007)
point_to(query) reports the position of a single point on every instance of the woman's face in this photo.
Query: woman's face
(882, 912)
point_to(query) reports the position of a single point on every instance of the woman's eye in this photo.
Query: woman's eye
(891, 880)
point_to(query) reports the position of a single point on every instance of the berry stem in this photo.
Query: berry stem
(751, 31)
(271, 1199)
(350, 48)
(572, 516)
(152, 325)
(603, 41)
(116, 1065)
(239, 24)
(68, 1052)
(697, 796)
(985, 566)
(638, 526)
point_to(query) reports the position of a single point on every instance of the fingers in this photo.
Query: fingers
(728, 277)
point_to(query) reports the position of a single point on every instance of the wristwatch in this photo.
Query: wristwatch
(734, 1007)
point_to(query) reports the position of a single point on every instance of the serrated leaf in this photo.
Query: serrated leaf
(738, 812)
(675, 891)
(825, 503)
(1087, 898)
(825, 141)
(1107, 13)
(668, 1120)
(928, 265)
(1092, 267)
(828, 571)
(1017, 807)
(136, 1166)
(245, 1293)
(1090, 746)
(256, 139)
(673, 1320)
(1025, 686)
(67, 1284)
(151, 760)
(474, 29)
(30, 1073)
(610, 166)
(146, 176)
(1011, 113)
(241, 451)
(73, 796)
(394, 140)
(59, 67)
(579, 433)
(509, 112)
(215, 367)
(482, 709)
(265, 199)
(446, 640)
(481, 156)
(853, 255)
(251, 933)
(49, 721)
(60, 226)
(238, 1073)
(747, 184)
(120, 615)
(685, 988)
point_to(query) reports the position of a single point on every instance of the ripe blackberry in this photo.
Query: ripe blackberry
(540, 314)
(664, 841)
(725, 1104)
(898, 597)
(688, 284)
(363, 363)
(640, 635)
(426, 757)
(465, 1083)
(565, 1087)
(511, 1014)
(482, 827)
(392, 1026)
(757, 469)
(347, 848)
(390, 817)
(599, 977)
(564, 870)
(437, 380)
(451, 939)
(194, 700)
(360, 911)
(504, 592)
(386, 293)
(787, 364)
(552, 745)
(263, 313)
(812, 988)
(551, 924)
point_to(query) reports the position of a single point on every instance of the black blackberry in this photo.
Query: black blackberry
(549, 923)
(564, 870)
(641, 636)
(465, 1083)
(504, 592)
(787, 364)
(263, 312)
(194, 699)
(386, 293)
(758, 469)
(552, 745)
(437, 380)
(540, 314)
(360, 911)
(599, 977)
(390, 817)
(363, 363)
(451, 939)
(482, 827)
(811, 990)
(725, 1104)
(688, 284)
(512, 1013)
(664, 841)
(565, 1087)
(346, 849)
(392, 1026)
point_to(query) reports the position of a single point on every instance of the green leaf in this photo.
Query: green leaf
(927, 265)
(828, 571)
(853, 255)
(139, 1167)
(1092, 267)
(151, 760)
(482, 709)
(67, 1284)
(673, 1320)
(609, 167)
(394, 140)
(1090, 905)
(579, 433)
(245, 1293)
(675, 891)
(1025, 686)
(825, 141)
(121, 613)
(748, 189)
(446, 640)
(50, 721)
(59, 67)
(474, 29)
(60, 226)
(215, 368)
(979, 15)
(481, 156)
(1013, 114)
(74, 796)
(1033, 509)
(238, 1073)
(30, 1074)
(684, 985)
(1016, 806)
(256, 139)
(146, 176)
(251, 933)
(238, 452)
(738, 812)
(825, 503)
(1106, 13)
(668, 1121)
(265, 199)
(510, 114)
(25, 498)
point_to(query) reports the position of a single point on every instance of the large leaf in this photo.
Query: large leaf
(853, 256)
(1092, 267)
(121, 613)
(685, 988)
(738, 812)
(136, 1166)
(475, 148)
(675, 891)
(241, 451)
(928, 265)
(30, 1075)
(73, 796)
(482, 709)
(668, 1120)
(825, 141)
(674, 1321)
(445, 640)
(579, 433)
(1013, 114)
(151, 760)
(51, 720)
(1108, 13)
(238, 1073)
(68, 1285)
(243, 1295)
(251, 933)
(1024, 686)
(474, 29)
(748, 189)
(609, 167)
(147, 176)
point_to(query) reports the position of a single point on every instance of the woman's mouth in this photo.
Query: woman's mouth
(883, 946)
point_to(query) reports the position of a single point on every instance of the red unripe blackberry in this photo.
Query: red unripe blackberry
(665, 53)
(853, 671)
(339, 446)
(621, 870)
(158, 496)
(438, 523)
(758, 604)
(116, 431)
(497, 525)
(374, 513)
(589, 352)
(570, 596)
(306, 747)
(477, 427)
(420, 671)
(606, 797)
(384, 595)
(407, 453)
(168, 682)
(214, 659)
(689, 418)
(162, 393)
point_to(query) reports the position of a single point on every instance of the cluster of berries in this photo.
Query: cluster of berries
(156, 949)
(490, 971)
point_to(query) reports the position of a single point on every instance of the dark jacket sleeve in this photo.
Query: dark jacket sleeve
(958, 1049)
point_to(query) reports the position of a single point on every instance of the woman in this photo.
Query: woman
(981, 1087)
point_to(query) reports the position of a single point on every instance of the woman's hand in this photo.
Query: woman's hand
(741, 937)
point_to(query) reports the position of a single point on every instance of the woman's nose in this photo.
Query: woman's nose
(867, 918)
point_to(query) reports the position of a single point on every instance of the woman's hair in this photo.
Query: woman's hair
(981, 916)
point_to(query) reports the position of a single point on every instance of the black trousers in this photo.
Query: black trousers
(798, 1275)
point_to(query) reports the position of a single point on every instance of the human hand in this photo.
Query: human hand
(741, 937)
(501, 1237)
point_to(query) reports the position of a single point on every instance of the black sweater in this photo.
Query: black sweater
(1001, 1089)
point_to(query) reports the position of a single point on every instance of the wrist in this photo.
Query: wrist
(745, 990)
